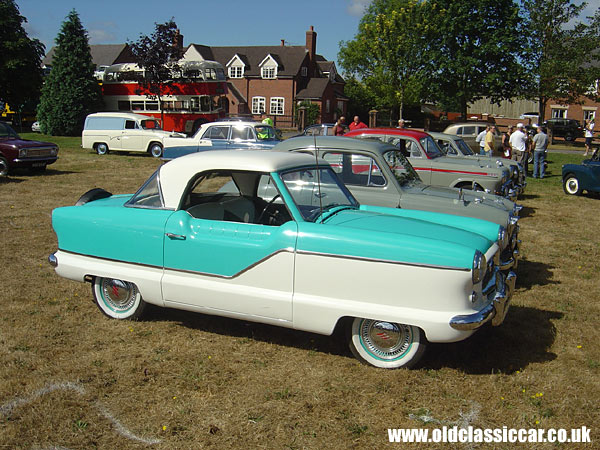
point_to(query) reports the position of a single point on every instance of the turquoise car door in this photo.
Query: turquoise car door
(218, 257)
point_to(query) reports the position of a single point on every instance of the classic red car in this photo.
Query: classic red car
(16, 152)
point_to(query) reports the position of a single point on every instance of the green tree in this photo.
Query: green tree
(158, 55)
(475, 51)
(389, 51)
(70, 91)
(20, 60)
(562, 57)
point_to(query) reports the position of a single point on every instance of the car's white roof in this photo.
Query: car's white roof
(175, 175)
(124, 115)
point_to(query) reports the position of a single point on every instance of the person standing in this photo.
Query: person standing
(339, 128)
(540, 147)
(400, 123)
(489, 141)
(480, 139)
(518, 144)
(357, 124)
(505, 142)
(589, 135)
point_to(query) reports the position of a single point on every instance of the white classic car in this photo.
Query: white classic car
(276, 237)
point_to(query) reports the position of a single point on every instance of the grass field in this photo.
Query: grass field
(74, 379)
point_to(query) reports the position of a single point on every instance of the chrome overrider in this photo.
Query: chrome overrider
(496, 310)
(510, 256)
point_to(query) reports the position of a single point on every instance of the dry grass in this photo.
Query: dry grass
(72, 378)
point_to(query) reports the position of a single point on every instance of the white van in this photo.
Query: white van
(127, 132)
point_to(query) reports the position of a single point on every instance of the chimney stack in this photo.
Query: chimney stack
(311, 46)
(283, 42)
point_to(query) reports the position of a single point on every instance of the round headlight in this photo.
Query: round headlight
(22, 153)
(479, 264)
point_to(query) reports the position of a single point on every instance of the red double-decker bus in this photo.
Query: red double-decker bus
(198, 94)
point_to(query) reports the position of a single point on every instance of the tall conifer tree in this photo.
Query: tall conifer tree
(70, 91)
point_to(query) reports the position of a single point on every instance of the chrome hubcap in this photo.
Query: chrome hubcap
(385, 340)
(572, 185)
(118, 295)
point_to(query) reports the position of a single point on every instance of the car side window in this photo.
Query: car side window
(459, 131)
(216, 132)
(470, 131)
(242, 133)
(355, 169)
(235, 196)
(446, 147)
(130, 125)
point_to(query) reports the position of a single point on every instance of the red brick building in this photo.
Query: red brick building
(270, 80)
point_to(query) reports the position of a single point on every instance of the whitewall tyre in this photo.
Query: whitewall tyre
(117, 298)
(386, 345)
(572, 186)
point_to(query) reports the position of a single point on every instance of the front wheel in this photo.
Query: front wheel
(571, 185)
(102, 148)
(156, 150)
(3, 167)
(387, 345)
(118, 299)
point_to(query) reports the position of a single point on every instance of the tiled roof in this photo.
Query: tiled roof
(102, 55)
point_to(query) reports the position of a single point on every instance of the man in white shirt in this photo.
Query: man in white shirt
(589, 134)
(480, 139)
(518, 143)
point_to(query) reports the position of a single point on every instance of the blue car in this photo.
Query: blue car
(582, 177)
(222, 135)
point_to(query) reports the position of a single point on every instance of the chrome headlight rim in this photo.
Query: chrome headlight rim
(22, 153)
(502, 237)
(479, 267)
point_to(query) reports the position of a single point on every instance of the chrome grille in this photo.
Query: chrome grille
(40, 151)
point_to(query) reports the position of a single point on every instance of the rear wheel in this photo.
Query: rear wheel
(571, 185)
(102, 148)
(156, 150)
(569, 136)
(387, 345)
(118, 299)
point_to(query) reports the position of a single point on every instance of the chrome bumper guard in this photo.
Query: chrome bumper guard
(495, 311)
(53, 260)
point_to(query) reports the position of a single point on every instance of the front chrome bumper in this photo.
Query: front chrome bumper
(494, 311)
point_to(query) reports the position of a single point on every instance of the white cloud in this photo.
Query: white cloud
(102, 32)
(357, 7)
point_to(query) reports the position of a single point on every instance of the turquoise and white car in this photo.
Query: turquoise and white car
(275, 237)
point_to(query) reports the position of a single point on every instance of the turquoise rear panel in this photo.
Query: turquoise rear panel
(106, 229)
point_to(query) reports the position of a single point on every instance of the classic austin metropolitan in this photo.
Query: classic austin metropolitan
(378, 174)
(275, 237)
(435, 168)
(582, 177)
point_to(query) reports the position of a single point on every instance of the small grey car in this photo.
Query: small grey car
(455, 147)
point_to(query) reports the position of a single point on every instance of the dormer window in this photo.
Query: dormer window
(304, 71)
(235, 67)
(236, 72)
(268, 68)
(268, 72)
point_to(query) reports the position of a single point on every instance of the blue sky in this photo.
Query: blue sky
(218, 23)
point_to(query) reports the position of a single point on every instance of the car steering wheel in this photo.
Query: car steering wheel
(273, 215)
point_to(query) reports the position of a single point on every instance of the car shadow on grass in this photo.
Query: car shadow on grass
(526, 211)
(235, 328)
(524, 338)
(533, 273)
(9, 180)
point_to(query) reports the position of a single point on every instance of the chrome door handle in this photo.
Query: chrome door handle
(180, 237)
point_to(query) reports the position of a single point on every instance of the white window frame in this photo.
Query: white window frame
(268, 72)
(236, 71)
(559, 113)
(277, 106)
(304, 71)
(259, 105)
